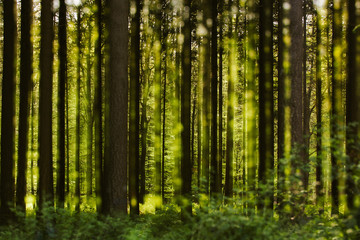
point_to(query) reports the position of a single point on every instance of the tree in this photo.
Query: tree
(157, 102)
(134, 111)
(352, 103)
(214, 180)
(319, 99)
(185, 113)
(296, 101)
(98, 109)
(115, 165)
(232, 72)
(205, 101)
(7, 180)
(336, 105)
(60, 185)
(78, 81)
(46, 191)
(281, 106)
(25, 92)
(266, 105)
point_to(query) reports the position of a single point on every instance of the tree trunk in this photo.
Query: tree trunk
(60, 185)
(90, 120)
(319, 98)
(7, 180)
(157, 106)
(232, 73)
(296, 99)
(77, 144)
(352, 103)
(115, 166)
(46, 191)
(134, 112)
(266, 106)
(335, 103)
(98, 109)
(25, 91)
(281, 109)
(185, 114)
(214, 183)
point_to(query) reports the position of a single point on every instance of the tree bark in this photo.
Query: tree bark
(134, 112)
(98, 110)
(25, 93)
(60, 185)
(115, 166)
(266, 105)
(46, 191)
(7, 180)
(185, 113)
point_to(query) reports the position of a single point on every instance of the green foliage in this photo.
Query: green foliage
(207, 223)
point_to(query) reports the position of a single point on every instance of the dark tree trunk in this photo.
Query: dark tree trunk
(352, 103)
(296, 99)
(185, 114)
(77, 144)
(229, 181)
(221, 52)
(60, 185)
(266, 106)
(281, 108)
(163, 60)
(90, 120)
(115, 165)
(335, 105)
(46, 191)
(214, 183)
(319, 98)
(134, 112)
(205, 103)
(306, 108)
(7, 180)
(98, 109)
(25, 91)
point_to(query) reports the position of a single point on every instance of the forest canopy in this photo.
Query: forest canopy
(129, 107)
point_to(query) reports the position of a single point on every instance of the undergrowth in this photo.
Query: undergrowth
(207, 223)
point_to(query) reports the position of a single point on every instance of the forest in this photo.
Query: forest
(180, 119)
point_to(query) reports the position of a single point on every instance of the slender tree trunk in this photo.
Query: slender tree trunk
(266, 106)
(352, 103)
(60, 184)
(336, 57)
(185, 114)
(77, 144)
(25, 91)
(7, 180)
(214, 184)
(221, 52)
(319, 148)
(306, 101)
(90, 120)
(205, 103)
(46, 191)
(134, 112)
(157, 106)
(296, 99)
(281, 109)
(115, 165)
(250, 105)
(98, 109)
(232, 72)
(163, 60)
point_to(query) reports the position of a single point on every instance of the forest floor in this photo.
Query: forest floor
(211, 223)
